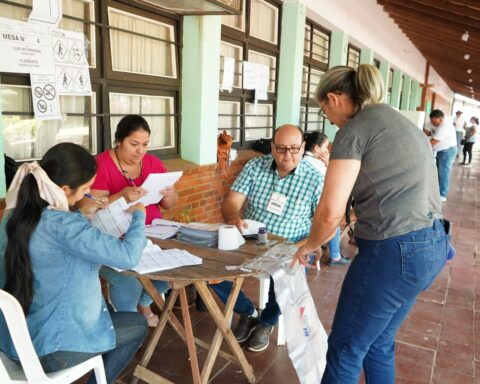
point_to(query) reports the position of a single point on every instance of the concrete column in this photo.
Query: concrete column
(200, 95)
(338, 56)
(291, 62)
(397, 79)
(415, 89)
(366, 56)
(3, 191)
(406, 90)
(385, 71)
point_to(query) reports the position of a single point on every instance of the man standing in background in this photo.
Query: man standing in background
(444, 143)
(460, 124)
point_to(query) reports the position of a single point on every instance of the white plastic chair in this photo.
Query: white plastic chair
(32, 371)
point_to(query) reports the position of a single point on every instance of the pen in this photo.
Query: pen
(98, 201)
(132, 182)
(164, 225)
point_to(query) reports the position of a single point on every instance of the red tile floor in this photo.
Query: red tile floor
(438, 343)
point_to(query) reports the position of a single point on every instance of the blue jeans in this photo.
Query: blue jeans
(445, 161)
(379, 290)
(130, 331)
(126, 292)
(334, 245)
(244, 306)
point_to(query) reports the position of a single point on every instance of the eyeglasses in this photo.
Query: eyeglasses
(321, 113)
(283, 149)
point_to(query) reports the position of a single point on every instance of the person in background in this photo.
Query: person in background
(280, 190)
(121, 172)
(444, 143)
(460, 125)
(317, 154)
(50, 259)
(470, 139)
(402, 245)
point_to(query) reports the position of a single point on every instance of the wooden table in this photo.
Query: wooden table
(212, 268)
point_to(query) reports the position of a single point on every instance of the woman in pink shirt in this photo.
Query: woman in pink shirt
(121, 172)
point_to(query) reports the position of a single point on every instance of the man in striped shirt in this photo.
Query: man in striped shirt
(282, 191)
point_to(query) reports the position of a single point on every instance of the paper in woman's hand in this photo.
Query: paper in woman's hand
(156, 182)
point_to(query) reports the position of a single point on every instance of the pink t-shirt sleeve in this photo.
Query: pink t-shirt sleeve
(104, 172)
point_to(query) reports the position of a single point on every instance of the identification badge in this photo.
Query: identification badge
(277, 203)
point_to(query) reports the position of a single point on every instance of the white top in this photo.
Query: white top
(459, 123)
(444, 133)
(318, 164)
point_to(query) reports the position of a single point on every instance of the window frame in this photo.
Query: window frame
(105, 80)
(308, 100)
(247, 42)
(353, 49)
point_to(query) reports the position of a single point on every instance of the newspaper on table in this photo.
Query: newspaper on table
(306, 338)
(155, 259)
(113, 219)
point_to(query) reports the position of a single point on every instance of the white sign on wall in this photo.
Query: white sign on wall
(45, 97)
(25, 47)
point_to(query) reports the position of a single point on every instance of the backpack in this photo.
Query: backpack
(263, 146)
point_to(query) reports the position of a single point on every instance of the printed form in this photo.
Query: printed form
(113, 219)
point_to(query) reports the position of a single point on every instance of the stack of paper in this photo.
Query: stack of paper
(199, 234)
(162, 229)
(154, 259)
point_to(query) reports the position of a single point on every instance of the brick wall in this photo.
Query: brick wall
(202, 188)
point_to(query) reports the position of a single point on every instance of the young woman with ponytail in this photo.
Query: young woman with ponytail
(385, 162)
(50, 258)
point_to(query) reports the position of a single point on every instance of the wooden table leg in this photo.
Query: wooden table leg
(218, 338)
(192, 350)
(160, 303)
(223, 327)
(166, 313)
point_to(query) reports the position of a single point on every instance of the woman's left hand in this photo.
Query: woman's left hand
(170, 197)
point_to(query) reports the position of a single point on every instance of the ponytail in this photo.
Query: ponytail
(363, 86)
(20, 226)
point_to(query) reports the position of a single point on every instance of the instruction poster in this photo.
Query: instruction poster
(45, 97)
(71, 65)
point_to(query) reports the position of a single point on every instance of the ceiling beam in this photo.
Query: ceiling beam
(470, 3)
(460, 10)
(429, 14)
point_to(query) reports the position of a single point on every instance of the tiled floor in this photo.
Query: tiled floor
(438, 343)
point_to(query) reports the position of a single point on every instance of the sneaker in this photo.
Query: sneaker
(261, 338)
(246, 325)
(443, 199)
(342, 261)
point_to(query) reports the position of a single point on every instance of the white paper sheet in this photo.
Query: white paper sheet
(113, 220)
(162, 229)
(156, 182)
(154, 259)
(46, 11)
(45, 97)
(228, 73)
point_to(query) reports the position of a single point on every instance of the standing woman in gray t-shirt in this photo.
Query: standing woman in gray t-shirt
(384, 161)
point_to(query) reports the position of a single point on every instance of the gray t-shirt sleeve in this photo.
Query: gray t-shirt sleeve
(347, 146)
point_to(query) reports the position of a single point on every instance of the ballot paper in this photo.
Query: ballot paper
(154, 183)
(162, 229)
(113, 219)
(155, 259)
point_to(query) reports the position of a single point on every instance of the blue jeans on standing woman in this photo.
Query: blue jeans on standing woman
(445, 160)
(130, 332)
(379, 290)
